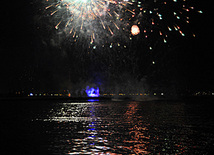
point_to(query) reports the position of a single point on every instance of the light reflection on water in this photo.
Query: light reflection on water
(121, 128)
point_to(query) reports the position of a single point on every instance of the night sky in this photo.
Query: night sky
(27, 62)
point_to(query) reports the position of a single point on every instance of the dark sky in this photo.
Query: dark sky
(23, 64)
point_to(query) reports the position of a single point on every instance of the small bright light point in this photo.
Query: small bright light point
(135, 30)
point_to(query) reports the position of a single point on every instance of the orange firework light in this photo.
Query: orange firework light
(135, 30)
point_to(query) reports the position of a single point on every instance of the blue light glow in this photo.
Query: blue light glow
(92, 129)
(92, 92)
(93, 100)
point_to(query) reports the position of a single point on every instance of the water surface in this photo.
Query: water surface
(128, 127)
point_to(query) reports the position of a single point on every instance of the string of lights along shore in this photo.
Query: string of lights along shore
(108, 22)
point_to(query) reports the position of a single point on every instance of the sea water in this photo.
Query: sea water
(106, 127)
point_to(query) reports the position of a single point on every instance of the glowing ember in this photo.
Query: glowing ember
(135, 30)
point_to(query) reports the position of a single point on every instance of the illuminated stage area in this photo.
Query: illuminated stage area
(92, 92)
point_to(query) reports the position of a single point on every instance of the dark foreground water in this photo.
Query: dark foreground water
(129, 127)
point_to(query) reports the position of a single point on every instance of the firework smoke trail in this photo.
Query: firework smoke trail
(106, 20)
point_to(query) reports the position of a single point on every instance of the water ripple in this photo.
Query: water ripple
(123, 128)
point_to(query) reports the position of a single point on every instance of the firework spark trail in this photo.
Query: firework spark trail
(105, 18)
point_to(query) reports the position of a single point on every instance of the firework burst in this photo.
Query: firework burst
(104, 21)
(91, 19)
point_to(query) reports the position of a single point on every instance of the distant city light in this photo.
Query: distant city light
(69, 95)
